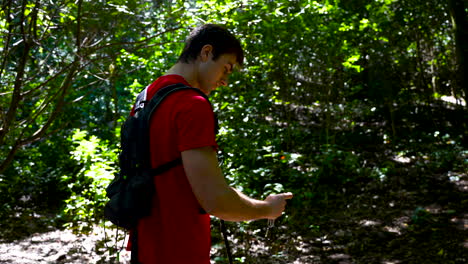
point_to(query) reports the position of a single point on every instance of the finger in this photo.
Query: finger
(287, 195)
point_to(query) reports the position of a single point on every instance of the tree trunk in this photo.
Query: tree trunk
(460, 26)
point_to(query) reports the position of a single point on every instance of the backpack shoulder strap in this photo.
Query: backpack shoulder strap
(163, 93)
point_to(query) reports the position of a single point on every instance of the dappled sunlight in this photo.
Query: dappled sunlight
(393, 229)
(460, 222)
(459, 179)
(367, 223)
(402, 159)
(342, 258)
(453, 100)
(391, 262)
(62, 246)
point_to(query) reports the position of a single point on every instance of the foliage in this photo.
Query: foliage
(88, 197)
(55, 55)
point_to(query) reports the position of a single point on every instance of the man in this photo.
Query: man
(178, 230)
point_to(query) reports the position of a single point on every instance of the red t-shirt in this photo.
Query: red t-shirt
(177, 232)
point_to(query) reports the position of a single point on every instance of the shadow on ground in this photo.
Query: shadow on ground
(411, 217)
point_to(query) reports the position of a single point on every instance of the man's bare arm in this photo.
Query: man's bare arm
(218, 198)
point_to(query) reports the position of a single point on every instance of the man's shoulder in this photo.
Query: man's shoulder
(168, 80)
(189, 99)
(185, 100)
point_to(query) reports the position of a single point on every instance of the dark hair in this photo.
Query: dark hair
(220, 38)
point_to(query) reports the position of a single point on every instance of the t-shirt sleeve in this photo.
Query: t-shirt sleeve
(195, 125)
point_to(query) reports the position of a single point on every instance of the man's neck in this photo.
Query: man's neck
(186, 70)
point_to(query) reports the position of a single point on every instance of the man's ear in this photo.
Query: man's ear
(206, 52)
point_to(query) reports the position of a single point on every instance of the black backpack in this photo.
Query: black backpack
(132, 189)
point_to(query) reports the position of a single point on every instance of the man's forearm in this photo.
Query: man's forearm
(218, 198)
(233, 205)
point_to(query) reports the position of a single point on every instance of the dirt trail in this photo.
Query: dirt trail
(60, 246)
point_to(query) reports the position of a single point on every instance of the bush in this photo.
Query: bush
(98, 166)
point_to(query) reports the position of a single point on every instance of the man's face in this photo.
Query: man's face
(215, 73)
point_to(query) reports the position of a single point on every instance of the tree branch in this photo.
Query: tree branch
(26, 142)
(33, 23)
(61, 101)
(9, 158)
(16, 97)
(41, 108)
(78, 29)
(135, 42)
(48, 80)
(8, 38)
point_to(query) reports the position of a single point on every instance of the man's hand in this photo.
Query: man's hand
(277, 203)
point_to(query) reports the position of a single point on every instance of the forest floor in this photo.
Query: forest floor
(386, 223)
(394, 222)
